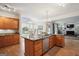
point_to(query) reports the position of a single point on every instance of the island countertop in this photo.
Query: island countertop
(38, 37)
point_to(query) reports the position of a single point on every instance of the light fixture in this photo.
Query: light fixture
(7, 8)
(48, 19)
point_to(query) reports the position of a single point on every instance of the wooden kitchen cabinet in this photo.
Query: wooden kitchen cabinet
(9, 40)
(33, 47)
(38, 47)
(29, 48)
(1, 41)
(56, 40)
(1, 24)
(60, 40)
(52, 41)
(9, 23)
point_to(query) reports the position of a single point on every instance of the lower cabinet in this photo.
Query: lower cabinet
(60, 41)
(9, 40)
(56, 40)
(33, 47)
(52, 41)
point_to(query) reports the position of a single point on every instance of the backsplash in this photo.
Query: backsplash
(7, 31)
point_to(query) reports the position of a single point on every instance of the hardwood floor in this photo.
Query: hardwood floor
(71, 48)
(13, 50)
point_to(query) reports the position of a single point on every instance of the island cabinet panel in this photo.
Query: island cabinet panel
(33, 47)
(52, 41)
(60, 40)
(9, 40)
(38, 48)
(29, 47)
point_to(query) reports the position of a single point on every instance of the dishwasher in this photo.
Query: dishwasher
(45, 44)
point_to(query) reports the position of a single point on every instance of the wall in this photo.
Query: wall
(69, 20)
(8, 14)
(77, 28)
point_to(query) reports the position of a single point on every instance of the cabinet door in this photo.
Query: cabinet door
(1, 41)
(38, 48)
(1, 23)
(7, 40)
(14, 39)
(51, 42)
(54, 40)
(60, 41)
(11, 24)
(4, 41)
(29, 48)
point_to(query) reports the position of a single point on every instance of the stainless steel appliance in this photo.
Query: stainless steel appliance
(45, 44)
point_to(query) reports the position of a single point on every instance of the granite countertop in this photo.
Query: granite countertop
(31, 38)
(57, 34)
(34, 38)
(38, 37)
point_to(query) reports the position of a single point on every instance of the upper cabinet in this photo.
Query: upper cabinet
(1, 24)
(9, 23)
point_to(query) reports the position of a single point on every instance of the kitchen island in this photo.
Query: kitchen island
(37, 47)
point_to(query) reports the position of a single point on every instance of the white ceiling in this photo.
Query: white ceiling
(39, 11)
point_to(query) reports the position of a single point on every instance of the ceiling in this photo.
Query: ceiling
(46, 11)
